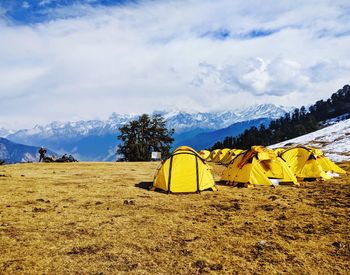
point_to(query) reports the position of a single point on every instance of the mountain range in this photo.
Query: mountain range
(206, 138)
(96, 140)
(11, 152)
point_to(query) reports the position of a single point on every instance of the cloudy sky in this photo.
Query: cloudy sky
(74, 59)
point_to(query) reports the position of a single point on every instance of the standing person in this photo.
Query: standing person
(42, 152)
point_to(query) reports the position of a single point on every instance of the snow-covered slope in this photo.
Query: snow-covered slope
(59, 130)
(5, 132)
(333, 140)
(182, 121)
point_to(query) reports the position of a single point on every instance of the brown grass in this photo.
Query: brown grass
(96, 218)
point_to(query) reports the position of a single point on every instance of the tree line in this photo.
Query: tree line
(300, 122)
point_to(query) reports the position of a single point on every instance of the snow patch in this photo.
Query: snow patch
(333, 140)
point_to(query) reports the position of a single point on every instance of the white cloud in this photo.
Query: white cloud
(44, 2)
(25, 5)
(88, 62)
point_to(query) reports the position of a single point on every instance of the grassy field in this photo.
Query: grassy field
(98, 218)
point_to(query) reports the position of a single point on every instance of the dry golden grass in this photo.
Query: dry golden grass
(71, 218)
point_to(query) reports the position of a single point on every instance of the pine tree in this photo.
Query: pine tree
(144, 135)
(299, 122)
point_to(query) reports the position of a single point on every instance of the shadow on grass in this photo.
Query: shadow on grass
(221, 183)
(144, 185)
(224, 183)
(147, 185)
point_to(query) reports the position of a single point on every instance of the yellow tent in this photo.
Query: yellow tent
(204, 154)
(220, 155)
(226, 172)
(230, 155)
(326, 164)
(279, 151)
(306, 162)
(258, 166)
(184, 172)
(213, 154)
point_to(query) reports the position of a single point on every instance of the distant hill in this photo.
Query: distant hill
(11, 152)
(206, 139)
(96, 140)
(297, 123)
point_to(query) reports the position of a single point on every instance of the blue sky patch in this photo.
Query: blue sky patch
(36, 11)
(224, 34)
(219, 34)
(257, 33)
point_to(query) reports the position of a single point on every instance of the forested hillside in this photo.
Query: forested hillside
(299, 122)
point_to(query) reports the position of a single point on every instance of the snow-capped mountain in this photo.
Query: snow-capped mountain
(175, 119)
(333, 140)
(205, 139)
(263, 110)
(58, 130)
(4, 132)
(95, 139)
(181, 121)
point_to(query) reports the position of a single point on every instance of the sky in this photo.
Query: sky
(67, 60)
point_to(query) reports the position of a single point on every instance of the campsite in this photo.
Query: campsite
(100, 218)
(174, 137)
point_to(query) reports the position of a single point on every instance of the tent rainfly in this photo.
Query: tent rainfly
(204, 154)
(184, 172)
(258, 166)
(310, 163)
(220, 155)
(230, 155)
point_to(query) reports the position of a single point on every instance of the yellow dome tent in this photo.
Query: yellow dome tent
(184, 172)
(279, 151)
(220, 155)
(230, 155)
(204, 154)
(258, 166)
(326, 164)
(226, 172)
(213, 154)
(306, 163)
